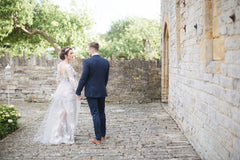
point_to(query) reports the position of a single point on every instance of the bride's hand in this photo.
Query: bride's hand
(79, 97)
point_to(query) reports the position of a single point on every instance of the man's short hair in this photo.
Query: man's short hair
(94, 45)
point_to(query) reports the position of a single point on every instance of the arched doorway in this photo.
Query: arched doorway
(165, 66)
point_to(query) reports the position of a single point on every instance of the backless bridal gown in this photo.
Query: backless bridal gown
(59, 123)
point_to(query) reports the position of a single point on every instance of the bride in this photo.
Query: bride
(59, 124)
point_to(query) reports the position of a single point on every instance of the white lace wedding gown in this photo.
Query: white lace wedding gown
(59, 124)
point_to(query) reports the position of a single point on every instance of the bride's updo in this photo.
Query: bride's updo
(64, 52)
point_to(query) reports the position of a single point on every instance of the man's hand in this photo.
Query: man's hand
(79, 97)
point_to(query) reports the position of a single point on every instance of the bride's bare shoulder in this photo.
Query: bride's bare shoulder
(60, 63)
(63, 65)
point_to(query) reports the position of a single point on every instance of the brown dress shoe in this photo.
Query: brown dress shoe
(103, 138)
(95, 141)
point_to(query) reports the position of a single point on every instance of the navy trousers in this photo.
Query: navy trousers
(97, 109)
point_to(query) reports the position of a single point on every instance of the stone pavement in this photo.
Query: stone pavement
(143, 131)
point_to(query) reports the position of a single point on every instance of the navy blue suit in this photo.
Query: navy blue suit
(94, 78)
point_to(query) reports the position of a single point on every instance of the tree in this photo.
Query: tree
(132, 38)
(36, 26)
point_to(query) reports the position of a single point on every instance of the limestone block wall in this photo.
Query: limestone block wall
(204, 73)
(34, 79)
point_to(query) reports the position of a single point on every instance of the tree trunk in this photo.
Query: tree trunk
(44, 35)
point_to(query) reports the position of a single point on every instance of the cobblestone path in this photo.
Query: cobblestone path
(138, 132)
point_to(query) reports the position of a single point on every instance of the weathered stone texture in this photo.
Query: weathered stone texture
(204, 76)
(34, 79)
(134, 132)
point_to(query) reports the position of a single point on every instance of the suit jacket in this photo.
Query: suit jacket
(94, 77)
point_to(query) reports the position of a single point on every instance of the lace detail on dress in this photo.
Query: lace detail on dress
(59, 123)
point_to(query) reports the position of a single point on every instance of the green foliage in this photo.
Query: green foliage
(29, 99)
(66, 28)
(8, 120)
(128, 38)
(20, 9)
(132, 38)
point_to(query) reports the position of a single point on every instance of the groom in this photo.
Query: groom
(94, 78)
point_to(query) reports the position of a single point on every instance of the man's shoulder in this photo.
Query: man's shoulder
(92, 59)
(104, 59)
(101, 58)
(87, 60)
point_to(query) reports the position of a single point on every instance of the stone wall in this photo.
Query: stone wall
(201, 47)
(34, 79)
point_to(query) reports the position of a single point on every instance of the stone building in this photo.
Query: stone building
(201, 73)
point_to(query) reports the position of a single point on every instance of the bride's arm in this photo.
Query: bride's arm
(71, 78)
(58, 75)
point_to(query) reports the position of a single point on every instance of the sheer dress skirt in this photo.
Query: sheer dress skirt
(59, 123)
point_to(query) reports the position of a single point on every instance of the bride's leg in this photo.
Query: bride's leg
(62, 118)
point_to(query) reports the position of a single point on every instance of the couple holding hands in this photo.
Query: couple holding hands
(60, 121)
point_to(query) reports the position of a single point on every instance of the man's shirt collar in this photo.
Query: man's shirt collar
(95, 54)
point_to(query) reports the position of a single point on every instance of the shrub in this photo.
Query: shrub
(8, 120)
